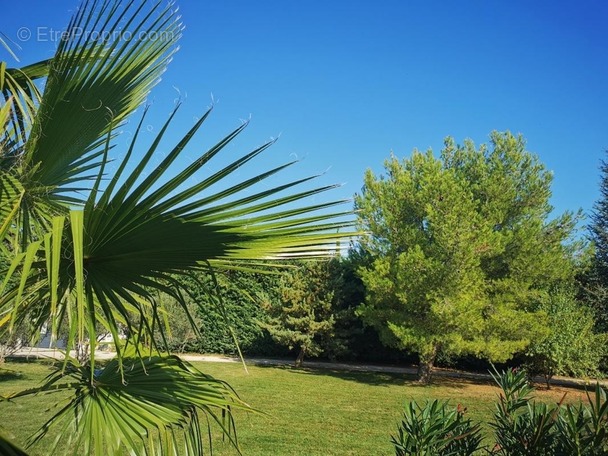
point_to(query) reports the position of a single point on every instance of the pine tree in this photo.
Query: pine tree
(303, 318)
(599, 227)
(463, 246)
(595, 280)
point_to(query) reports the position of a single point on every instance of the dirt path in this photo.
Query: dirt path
(357, 367)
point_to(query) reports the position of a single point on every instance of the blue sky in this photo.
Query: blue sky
(344, 83)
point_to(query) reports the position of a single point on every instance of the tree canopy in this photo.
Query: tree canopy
(463, 245)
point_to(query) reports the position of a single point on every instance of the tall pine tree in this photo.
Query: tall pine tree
(599, 226)
(463, 247)
(595, 281)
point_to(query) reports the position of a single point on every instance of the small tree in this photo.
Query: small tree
(303, 318)
(599, 225)
(462, 246)
(571, 347)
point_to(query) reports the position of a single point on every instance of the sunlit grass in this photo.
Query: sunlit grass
(306, 412)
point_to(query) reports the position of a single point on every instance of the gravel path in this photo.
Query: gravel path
(356, 367)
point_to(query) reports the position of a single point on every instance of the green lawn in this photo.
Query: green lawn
(309, 412)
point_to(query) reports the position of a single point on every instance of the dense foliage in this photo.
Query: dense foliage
(521, 426)
(225, 317)
(462, 246)
(244, 312)
(302, 316)
(571, 346)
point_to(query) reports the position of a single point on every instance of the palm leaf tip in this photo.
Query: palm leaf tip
(113, 55)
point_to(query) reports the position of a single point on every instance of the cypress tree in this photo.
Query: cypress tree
(595, 281)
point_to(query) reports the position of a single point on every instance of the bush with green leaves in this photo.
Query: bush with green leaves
(521, 426)
(571, 346)
(220, 309)
(525, 427)
(436, 428)
(583, 430)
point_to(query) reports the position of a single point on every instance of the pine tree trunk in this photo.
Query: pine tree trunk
(425, 366)
(300, 357)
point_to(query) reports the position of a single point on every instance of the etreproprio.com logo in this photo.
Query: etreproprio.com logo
(49, 34)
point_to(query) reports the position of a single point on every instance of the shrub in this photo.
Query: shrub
(216, 321)
(521, 426)
(571, 346)
(436, 428)
(583, 430)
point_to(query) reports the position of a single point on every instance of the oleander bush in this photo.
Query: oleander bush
(436, 428)
(520, 426)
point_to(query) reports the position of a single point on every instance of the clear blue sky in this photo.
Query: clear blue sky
(346, 82)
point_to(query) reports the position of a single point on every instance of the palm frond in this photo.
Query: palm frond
(91, 255)
(5, 45)
(120, 410)
(95, 84)
(108, 59)
(17, 87)
(11, 194)
(101, 265)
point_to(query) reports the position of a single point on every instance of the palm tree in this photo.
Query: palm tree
(91, 252)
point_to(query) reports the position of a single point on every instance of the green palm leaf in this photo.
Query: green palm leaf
(102, 264)
(109, 58)
(17, 86)
(158, 397)
(94, 85)
(99, 262)
(11, 194)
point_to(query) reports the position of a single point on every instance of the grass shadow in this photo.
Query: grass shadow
(7, 375)
(32, 360)
(21, 359)
(559, 388)
(366, 377)
(375, 378)
(458, 382)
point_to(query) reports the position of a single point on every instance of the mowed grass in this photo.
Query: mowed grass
(305, 411)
